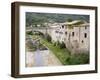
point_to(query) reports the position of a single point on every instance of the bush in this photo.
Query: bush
(48, 37)
(62, 45)
(29, 33)
(58, 43)
(54, 43)
(30, 46)
(40, 34)
(81, 58)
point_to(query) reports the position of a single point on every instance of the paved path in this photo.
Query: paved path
(41, 58)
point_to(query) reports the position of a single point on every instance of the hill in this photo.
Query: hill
(40, 18)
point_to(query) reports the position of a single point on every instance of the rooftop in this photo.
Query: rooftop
(76, 22)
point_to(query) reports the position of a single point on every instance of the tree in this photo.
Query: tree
(69, 20)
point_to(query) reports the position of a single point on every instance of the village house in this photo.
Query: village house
(74, 34)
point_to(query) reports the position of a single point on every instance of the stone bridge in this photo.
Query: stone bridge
(42, 29)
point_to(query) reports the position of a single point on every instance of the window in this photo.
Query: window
(85, 27)
(61, 32)
(85, 35)
(66, 32)
(72, 33)
(62, 26)
(82, 41)
(56, 31)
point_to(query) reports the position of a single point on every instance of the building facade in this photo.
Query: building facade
(75, 35)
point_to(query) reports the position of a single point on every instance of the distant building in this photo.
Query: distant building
(75, 35)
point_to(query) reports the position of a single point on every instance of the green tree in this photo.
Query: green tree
(69, 20)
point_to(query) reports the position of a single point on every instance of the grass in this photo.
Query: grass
(82, 58)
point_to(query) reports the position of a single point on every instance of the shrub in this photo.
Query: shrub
(68, 59)
(40, 34)
(29, 33)
(30, 46)
(48, 37)
(62, 45)
(57, 43)
(81, 58)
(54, 43)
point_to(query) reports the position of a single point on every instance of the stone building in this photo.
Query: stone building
(75, 35)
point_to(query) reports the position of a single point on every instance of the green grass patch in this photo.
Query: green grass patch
(82, 58)
(62, 54)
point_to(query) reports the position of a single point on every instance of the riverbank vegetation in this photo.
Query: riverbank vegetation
(59, 50)
(64, 55)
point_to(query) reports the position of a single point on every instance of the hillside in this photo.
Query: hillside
(40, 18)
